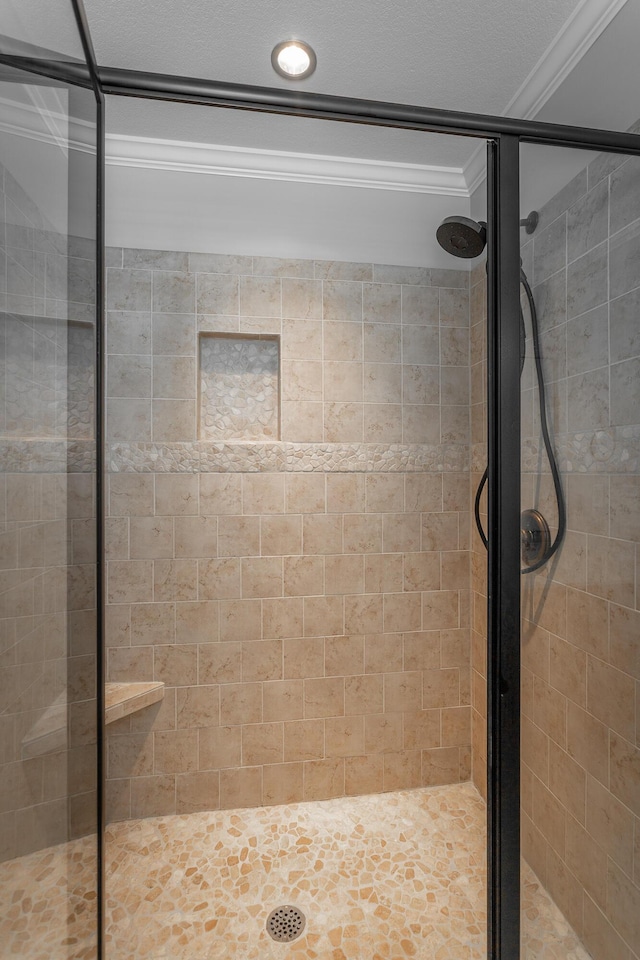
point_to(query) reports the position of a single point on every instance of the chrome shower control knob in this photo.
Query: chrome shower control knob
(535, 537)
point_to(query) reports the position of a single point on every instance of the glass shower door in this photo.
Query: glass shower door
(580, 619)
(48, 584)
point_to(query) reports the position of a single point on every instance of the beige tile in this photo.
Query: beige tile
(262, 660)
(383, 573)
(323, 616)
(343, 656)
(175, 580)
(345, 493)
(611, 824)
(304, 740)
(282, 617)
(423, 493)
(363, 775)
(624, 629)
(588, 742)
(260, 296)
(323, 779)
(302, 298)
(303, 576)
(282, 700)
(196, 621)
(305, 493)
(344, 574)
(262, 743)
(280, 536)
(382, 423)
(262, 493)
(611, 697)
(363, 613)
(241, 703)
(129, 664)
(610, 568)
(342, 341)
(383, 653)
(422, 571)
(282, 783)
(176, 664)
(220, 493)
(175, 751)
(384, 493)
(381, 302)
(382, 342)
(129, 581)
(219, 663)
(239, 536)
(624, 761)
(301, 381)
(262, 577)
(343, 422)
(439, 765)
(219, 747)
(422, 651)
(324, 697)
(402, 691)
(196, 536)
(422, 729)
(219, 579)
(363, 694)
(402, 770)
(152, 623)
(153, 796)
(344, 736)
(176, 495)
(322, 534)
(568, 670)
(402, 612)
(301, 340)
(302, 421)
(362, 533)
(342, 381)
(567, 781)
(587, 861)
(196, 792)
(440, 609)
(420, 304)
(383, 733)
(304, 658)
(173, 420)
(240, 619)
(240, 788)
(197, 706)
(549, 711)
(151, 537)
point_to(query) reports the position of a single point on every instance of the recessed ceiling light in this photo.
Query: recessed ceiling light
(293, 59)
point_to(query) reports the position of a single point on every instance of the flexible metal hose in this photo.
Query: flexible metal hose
(553, 464)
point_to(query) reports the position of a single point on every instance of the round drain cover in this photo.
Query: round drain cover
(285, 923)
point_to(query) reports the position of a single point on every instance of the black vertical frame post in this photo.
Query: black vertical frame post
(503, 576)
(99, 427)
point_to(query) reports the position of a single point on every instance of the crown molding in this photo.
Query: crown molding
(184, 157)
(589, 19)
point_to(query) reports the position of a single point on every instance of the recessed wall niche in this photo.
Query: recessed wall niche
(239, 381)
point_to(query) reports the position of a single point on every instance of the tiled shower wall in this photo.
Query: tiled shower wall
(47, 530)
(306, 601)
(581, 629)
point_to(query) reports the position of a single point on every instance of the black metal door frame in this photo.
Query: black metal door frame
(504, 136)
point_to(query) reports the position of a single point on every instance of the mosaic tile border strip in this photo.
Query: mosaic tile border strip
(614, 450)
(47, 456)
(286, 457)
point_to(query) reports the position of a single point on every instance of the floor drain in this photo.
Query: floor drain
(285, 923)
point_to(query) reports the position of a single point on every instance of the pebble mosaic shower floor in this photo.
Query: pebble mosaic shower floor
(379, 878)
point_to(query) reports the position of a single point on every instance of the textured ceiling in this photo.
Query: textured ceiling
(463, 55)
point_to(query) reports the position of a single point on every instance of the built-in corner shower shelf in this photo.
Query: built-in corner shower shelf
(121, 699)
(49, 733)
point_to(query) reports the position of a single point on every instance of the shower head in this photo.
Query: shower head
(462, 237)
(467, 238)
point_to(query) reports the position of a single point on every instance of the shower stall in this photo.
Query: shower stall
(319, 630)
